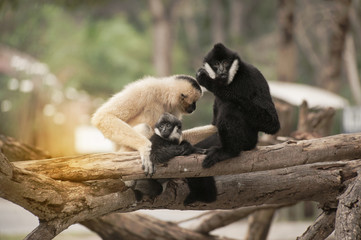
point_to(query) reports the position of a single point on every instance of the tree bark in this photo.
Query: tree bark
(322, 228)
(220, 218)
(217, 21)
(162, 15)
(330, 72)
(351, 69)
(60, 203)
(348, 215)
(121, 226)
(287, 51)
(259, 224)
(127, 167)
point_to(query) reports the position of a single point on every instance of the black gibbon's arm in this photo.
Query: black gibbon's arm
(166, 152)
(258, 106)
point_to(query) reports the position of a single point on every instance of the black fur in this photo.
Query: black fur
(191, 80)
(164, 148)
(241, 109)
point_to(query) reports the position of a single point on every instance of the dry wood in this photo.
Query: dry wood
(16, 151)
(60, 203)
(259, 224)
(220, 218)
(322, 228)
(71, 202)
(127, 166)
(122, 226)
(348, 215)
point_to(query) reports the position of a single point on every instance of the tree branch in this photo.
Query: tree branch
(322, 228)
(348, 215)
(127, 166)
(121, 226)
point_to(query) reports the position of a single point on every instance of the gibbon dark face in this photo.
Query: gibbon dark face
(221, 64)
(169, 127)
(189, 93)
(188, 105)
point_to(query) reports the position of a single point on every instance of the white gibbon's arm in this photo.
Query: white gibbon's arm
(197, 134)
(111, 119)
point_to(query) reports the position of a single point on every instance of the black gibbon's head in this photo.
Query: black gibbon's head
(189, 93)
(221, 63)
(169, 127)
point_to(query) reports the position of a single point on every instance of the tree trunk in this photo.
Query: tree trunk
(331, 70)
(287, 51)
(236, 21)
(163, 16)
(217, 21)
(351, 69)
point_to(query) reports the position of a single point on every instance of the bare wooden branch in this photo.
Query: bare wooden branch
(60, 203)
(348, 215)
(16, 151)
(322, 228)
(220, 218)
(259, 224)
(121, 226)
(127, 167)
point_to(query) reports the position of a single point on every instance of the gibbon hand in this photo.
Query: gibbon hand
(147, 164)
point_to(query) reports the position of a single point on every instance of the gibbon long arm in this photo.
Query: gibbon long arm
(197, 134)
(112, 120)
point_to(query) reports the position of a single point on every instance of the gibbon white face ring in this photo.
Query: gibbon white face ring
(209, 70)
(232, 71)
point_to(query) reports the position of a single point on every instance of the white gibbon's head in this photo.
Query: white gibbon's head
(188, 91)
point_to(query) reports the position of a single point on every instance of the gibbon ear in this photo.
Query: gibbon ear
(232, 71)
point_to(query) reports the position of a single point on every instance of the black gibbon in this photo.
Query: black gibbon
(143, 102)
(243, 105)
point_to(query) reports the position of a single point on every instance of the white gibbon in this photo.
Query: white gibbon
(140, 104)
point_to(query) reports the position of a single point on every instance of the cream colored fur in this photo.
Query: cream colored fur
(197, 134)
(142, 102)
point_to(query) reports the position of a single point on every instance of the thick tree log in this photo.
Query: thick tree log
(322, 228)
(127, 167)
(121, 226)
(348, 215)
(74, 202)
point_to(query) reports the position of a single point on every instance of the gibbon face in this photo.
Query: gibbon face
(190, 92)
(169, 127)
(221, 64)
